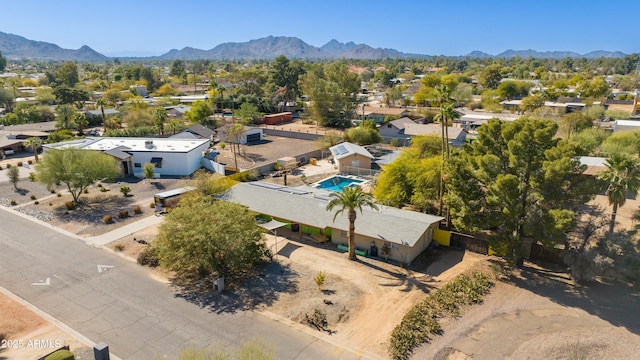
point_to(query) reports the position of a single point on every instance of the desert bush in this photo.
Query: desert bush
(152, 205)
(86, 191)
(103, 189)
(149, 257)
(318, 319)
(36, 202)
(33, 197)
(0, 167)
(99, 185)
(61, 355)
(30, 162)
(19, 163)
(123, 214)
(32, 176)
(107, 219)
(70, 205)
(14, 203)
(59, 195)
(319, 279)
(8, 166)
(119, 247)
(137, 209)
(125, 190)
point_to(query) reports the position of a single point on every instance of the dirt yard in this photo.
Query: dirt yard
(28, 335)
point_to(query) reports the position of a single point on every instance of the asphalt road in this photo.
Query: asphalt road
(112, 300)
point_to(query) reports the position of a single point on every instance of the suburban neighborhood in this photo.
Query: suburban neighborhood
(271, 199)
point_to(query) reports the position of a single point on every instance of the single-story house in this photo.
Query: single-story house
(395, 128)
(177, 112)
(378, 113)
(98, 112)
(171, 157)
(457, 136)
(347, 155)
(401, 234)
(594, 164)
(630, 106)
(626, 125)
(249, 134)
(198, 131)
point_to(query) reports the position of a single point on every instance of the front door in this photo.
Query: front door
(125, 167)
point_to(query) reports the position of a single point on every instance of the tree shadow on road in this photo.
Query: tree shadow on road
(262, 288)
(615, 302)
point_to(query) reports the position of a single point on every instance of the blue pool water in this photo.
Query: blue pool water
(337, 183)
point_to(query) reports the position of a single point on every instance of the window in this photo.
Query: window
(137, 165)
(389, 126)
(157, 162)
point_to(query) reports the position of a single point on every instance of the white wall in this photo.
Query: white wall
(173, 163)
(250, 132)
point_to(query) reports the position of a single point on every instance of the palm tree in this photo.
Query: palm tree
(64, 112)
(160, 117)
(101, 103)
(33, 143)
(622, 175)
(350, 199)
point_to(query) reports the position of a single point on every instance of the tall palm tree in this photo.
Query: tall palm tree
(33, 143)
(160, 117)
(65, 113)
(622, 175)
(350, 199)
(101, 103)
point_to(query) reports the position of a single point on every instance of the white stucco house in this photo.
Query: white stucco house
(171, 157)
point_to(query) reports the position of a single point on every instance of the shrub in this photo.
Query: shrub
(53, 191)
(36, 202)
(149, 257)
(8, 166)
(137, 209)
(99, 185)
(320, 279)
(19, 163)
(59, 195)
(70, 205)
(33, 197)
(0, 167)
(61, 355)
(30, 162)
(152, 205)
(14, 203)
(103, 189)
(123, 214)
(119, 247)
(125, 190)
(50, 204)
(318, 319)
(86, 191)
(107, 219)
(421, 322)
(32, 176)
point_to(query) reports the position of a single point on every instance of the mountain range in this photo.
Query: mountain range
(17, 47)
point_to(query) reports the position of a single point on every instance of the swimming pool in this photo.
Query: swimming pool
(337, 183)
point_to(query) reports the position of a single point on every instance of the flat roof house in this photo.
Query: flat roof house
(171, 157)
(404, 233)
(346, 155)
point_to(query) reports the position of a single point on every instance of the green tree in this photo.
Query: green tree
(490, 76)
(234, 134)
(159, 118)
(532, 102)
(100, 103)
(149, 170)
(329, 139)
(178, 69)
(622, 143)
(76, 168)
(65, 95)
(64, 117)
(350, 199)
(247, 113)
(175, 125)
(362, 135)
(80, 121)
(3, 62)
(623, 176)
(575, 121)
(14, 176)
(34, 143)
(198, 113)
(518, 182)
(207, 237)
(68, 74)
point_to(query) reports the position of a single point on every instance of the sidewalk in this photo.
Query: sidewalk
(123, 231)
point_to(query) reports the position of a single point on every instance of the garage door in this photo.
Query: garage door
(253, 137)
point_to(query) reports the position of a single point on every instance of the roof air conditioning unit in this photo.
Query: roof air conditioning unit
(148, 144)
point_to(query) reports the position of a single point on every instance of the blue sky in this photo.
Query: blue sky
(449, 27)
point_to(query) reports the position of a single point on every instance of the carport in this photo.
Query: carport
(273, 226)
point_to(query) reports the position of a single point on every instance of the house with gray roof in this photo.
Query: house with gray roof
(346, 155)
(457, 136)
(403, 234)
(395, 128)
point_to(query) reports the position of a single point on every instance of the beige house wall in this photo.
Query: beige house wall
(364, 162)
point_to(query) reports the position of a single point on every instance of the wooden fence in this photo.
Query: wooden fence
(468, 242)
